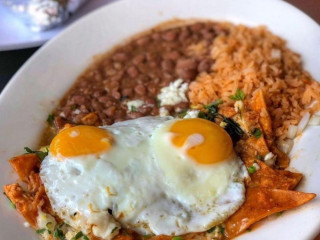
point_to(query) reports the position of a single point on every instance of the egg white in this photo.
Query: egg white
(146, 183)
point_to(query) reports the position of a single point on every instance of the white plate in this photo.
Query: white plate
(15, 35)
(35, 90)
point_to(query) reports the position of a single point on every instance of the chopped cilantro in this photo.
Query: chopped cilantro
(115, 229)
(259, 157)
(49, 224)
(58, 233)
(279, 213)
(213, 107)
(238, 96)
(40, 231)
(50, 118)
(77, 236)
(249, 229)
(85, 237)
(147, 236)
(158, 101)
(252, 169)
(133, 109)
(72, 107)
(233, 129)
(40, 154)
(202, 115)
(10, 202)
(211, 229)
(213, 104)
(211, 113)
(80, 235)
(217, 102)
(221, 229)
(177, 238)
(183, 113)
(256, 132)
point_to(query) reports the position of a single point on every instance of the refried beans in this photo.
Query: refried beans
(138, 70)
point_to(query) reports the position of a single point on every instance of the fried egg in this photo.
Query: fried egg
(155, 175)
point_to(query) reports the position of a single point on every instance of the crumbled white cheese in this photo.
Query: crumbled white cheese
(62, 115)
(48, 222)
(256, 166)
(134, 104)
(174, 93)
(103, 225)
(223, 124)
(275, 53)
(45, 221)
(177, 110)
(26, 224)
(214, 234)
(71, 233)
(163, 112)
(238, 106)
(270, 158)
(77, 111)
(192, 114)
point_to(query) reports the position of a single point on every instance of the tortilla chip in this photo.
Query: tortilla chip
(122, 236)
(266, 177)
(24, 165)
(263, 202)
(23, 202)
(282, 159)
(29, 202)
(252, 148)
(90, 119)
(162, 237)
(291, 175)
(227, 111)
(258, 104)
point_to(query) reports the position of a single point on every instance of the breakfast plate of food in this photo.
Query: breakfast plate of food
(171, 120)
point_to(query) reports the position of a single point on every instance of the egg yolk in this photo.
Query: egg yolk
(202, 140)
(80, 140)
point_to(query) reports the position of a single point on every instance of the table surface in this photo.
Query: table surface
(11, 61)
